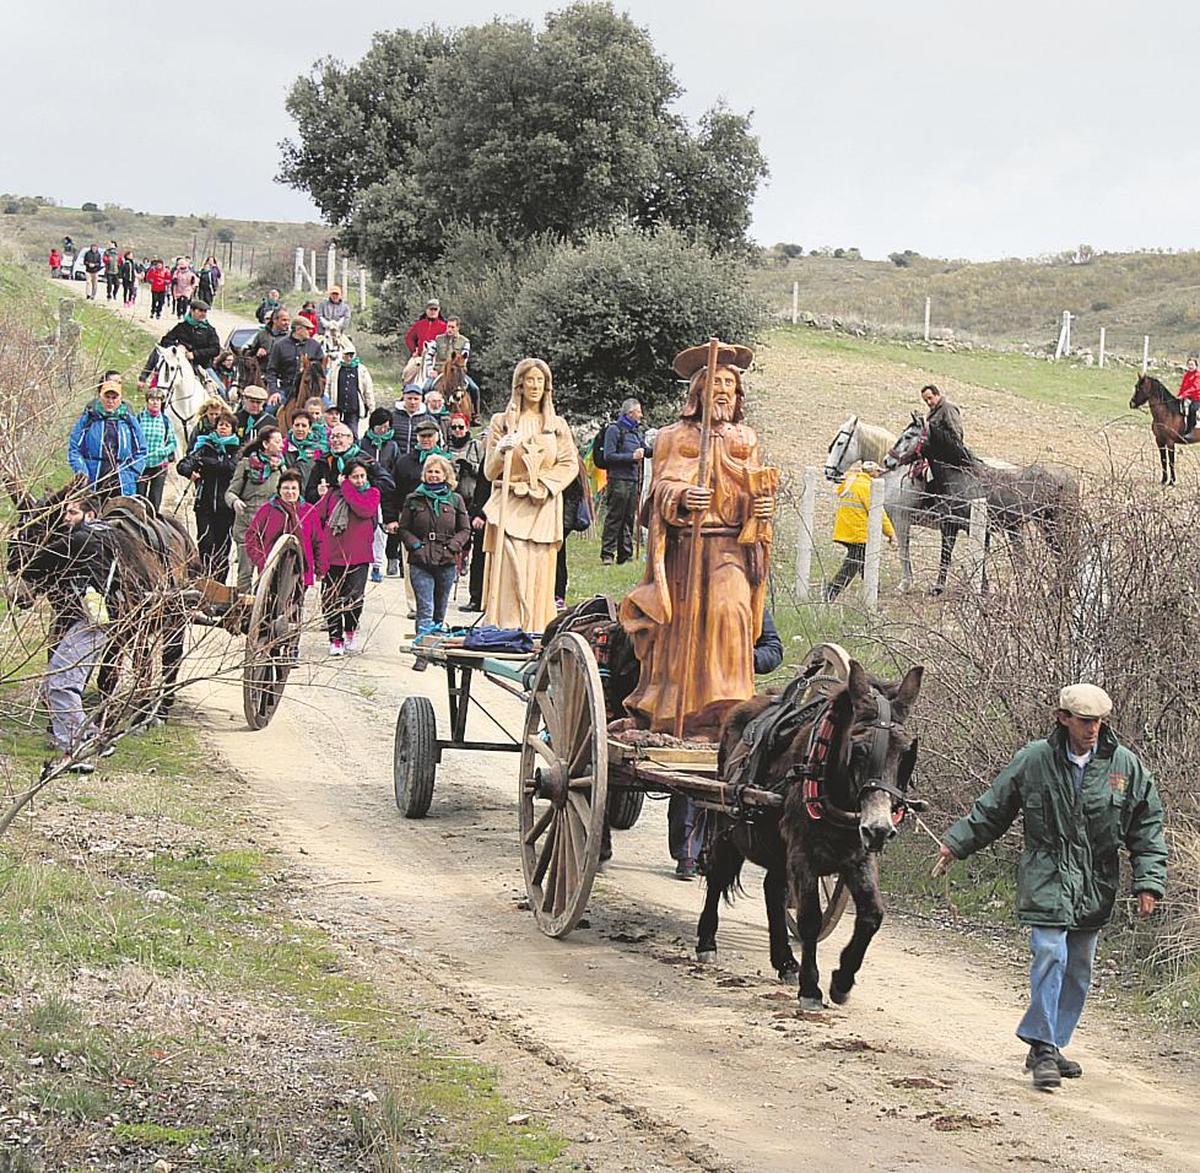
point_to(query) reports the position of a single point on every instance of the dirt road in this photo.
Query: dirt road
(644, 1058)
(919, 1070)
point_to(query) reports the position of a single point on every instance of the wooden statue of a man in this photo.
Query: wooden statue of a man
(695, 639)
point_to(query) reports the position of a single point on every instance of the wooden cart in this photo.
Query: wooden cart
(272, 621)
(572, 773)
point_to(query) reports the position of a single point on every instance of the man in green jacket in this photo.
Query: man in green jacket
(1083, 794)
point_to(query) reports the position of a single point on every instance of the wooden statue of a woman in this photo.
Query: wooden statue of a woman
(530, 458)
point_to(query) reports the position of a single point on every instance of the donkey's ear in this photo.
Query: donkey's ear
(910, 686)
(917, 418)
(859, 684)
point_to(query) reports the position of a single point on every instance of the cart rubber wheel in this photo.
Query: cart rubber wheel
(563, 783)
(414, 757)
(273, 636)
(624, 807)
(834, 897)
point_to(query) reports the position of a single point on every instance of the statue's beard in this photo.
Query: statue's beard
(723, 413)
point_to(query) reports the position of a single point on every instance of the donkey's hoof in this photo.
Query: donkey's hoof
(811, 1005)
(789, 975)
(841, 997)
(706, 956)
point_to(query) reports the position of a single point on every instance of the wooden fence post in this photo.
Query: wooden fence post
(795, 302)
(1101, 346)
(928, 307)
(362, 288)
(1145, 353)
(804, 538)
(299, 270)
(874, 544)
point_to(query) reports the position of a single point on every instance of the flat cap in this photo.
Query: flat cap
(197, 304)
(1085, 700)
(253, 392)
(426, 426)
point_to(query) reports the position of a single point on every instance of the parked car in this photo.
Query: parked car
(241, 336)
(72, 267)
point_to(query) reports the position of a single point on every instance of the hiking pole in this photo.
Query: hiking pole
(691, 592)
(496, 567)
(637, 511)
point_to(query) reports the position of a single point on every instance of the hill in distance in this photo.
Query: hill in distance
(1010, 302)
(252, 249)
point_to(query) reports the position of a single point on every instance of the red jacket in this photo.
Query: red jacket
(274, 519)
(1190, 387)
(55, 259)
(421, 331)
(159, 277)
(352, 547)
(311, 319)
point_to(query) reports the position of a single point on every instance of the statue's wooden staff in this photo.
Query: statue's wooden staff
(690, 598)
(498, 550)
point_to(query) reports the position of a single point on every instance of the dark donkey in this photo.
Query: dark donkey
(1015, 498)
(843, 764)
(1167, 421)
(155, 560)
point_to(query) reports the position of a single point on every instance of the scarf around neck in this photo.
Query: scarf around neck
(261, 468)
(307, 448)
(193, 321)
(227, 443)
(341, 459)
(379, 439)
(630, 425)
(436, 495)
(436, 450)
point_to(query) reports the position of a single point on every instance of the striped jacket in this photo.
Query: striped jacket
(160, 438)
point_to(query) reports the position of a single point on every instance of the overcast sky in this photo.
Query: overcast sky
(955, 129)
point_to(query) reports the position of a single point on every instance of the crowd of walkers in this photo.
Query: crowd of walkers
(123, 272)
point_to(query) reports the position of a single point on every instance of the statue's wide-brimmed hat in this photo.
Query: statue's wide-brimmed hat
(688, 362)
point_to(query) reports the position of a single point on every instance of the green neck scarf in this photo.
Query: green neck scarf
(354, 452)
(352, 363)
(119, 413)
(436, 495)
(194, 321)
(307, 448)
(229, 442)
(436, 450)
(379, 439)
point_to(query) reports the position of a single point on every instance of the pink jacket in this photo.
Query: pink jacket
(272, 520)
(352, 547)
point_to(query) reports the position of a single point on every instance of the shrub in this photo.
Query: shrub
(904, 259)
(611, 313)
(90, 206)
(167, 221)
(1097, 306)
(225, 235)
(11, 207)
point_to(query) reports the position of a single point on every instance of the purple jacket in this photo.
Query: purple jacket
(352, 547)
(272, 520)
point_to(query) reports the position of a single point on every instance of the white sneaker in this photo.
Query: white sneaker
(351, 643)
(336, 648)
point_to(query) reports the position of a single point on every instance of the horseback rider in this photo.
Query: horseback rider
(438, 351)
(1189, 393)
(426, 328)
(333, 314)
(284, 367)
(199, 340)
(942, 445)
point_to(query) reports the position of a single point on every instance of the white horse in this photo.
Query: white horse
(333, 342)
(182, 389)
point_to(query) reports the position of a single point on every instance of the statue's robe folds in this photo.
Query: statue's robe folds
(724, 617)
(543, 465)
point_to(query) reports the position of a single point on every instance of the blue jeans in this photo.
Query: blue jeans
(1059, 977)
(685, 829)
(432, 590)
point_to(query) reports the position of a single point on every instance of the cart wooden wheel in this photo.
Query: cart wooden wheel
(273, 637)
(834, 896)
(624, 807)
(564, 784)
(414, 756)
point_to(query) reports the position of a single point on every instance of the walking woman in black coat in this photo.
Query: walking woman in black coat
(210, 465)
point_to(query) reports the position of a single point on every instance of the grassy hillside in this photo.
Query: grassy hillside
(261, 249)
(1011, 301)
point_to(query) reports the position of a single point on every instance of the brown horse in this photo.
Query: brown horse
(1168, 421)
(310, 386)
(451, 381)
